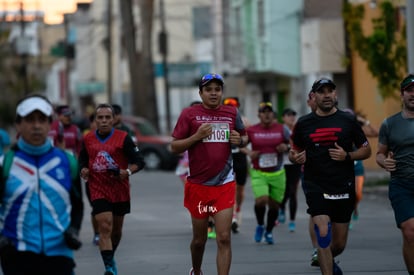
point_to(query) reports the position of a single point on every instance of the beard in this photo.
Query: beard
(409, 105)
(326, 109)
(409, 108)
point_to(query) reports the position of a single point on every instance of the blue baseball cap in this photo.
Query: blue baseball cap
(210, 77)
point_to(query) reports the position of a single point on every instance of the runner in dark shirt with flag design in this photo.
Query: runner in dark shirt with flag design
(107, 159)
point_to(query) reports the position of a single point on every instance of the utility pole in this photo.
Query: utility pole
(163, 48)
(24, 53)
(410, 35)
(67, 60)
(109, 51)
(348, 54)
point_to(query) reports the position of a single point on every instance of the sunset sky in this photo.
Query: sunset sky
(53, 9)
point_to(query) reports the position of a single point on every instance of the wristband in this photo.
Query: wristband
(348, 156)
(241, 142)
(129, 172)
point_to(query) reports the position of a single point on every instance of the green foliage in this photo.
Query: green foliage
(384, 51)
(6, 114)
(11, 83)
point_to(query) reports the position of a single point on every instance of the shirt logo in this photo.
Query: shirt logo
(325, 136)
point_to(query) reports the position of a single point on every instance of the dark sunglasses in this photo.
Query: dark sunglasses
(407, 82)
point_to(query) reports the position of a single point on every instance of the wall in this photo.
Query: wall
(367, 97)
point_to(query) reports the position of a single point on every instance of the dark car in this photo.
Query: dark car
(154, 146)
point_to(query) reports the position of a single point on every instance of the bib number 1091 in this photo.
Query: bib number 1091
(221, 133)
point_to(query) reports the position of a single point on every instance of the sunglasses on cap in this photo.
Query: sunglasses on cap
(209, 77)
(407, 82)
(265, 106)
(231, 101)
(317, 85)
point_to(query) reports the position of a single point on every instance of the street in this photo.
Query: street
(157, 236)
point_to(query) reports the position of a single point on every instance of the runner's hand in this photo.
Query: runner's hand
(297, 157)
(390, 164)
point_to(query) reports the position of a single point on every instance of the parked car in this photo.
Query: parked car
(154, 147)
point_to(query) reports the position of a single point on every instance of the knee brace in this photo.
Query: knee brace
(323, 242)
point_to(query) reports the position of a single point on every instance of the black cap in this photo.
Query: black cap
(407, 82)
(288, 111)
(318, 84)
(64, 110)
(117, 109)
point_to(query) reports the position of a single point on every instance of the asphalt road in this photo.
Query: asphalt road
(157, 235)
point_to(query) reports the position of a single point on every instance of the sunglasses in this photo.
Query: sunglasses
(317, 85)
(265, 104)
(406, 83)
(231, 102)
(324, 81)
(208, 77)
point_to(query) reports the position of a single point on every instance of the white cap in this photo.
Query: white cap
(32, 104)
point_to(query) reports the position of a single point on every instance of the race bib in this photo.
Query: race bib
(336, 196)
(268, 160)
(221, 133)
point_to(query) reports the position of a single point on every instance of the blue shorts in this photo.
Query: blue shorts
(401, 195)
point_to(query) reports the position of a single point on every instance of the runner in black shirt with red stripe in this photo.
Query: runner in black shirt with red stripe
(324, 142)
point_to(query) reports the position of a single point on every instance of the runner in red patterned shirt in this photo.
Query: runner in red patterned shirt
(207, 131)
(107, 159)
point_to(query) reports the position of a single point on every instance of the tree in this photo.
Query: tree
(10, 84)
(140, 62)
(384, 49)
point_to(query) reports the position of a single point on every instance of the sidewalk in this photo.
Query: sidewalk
(376, 174)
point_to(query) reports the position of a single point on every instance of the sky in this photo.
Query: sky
(53, 9)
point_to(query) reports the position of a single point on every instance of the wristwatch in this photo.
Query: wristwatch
(129, 172)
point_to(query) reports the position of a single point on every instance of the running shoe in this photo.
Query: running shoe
(192, 272)
(211, 232)
(269, 237)
(259, 233)
(115, 268)
(336, 269)
(292, 226)
(239, 218)
(234, 226)
(109, 271)
(355, 216)
(314, 259)
(95, 240)
(282, 216)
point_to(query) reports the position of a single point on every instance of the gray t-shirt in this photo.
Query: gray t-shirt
(397, 133)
